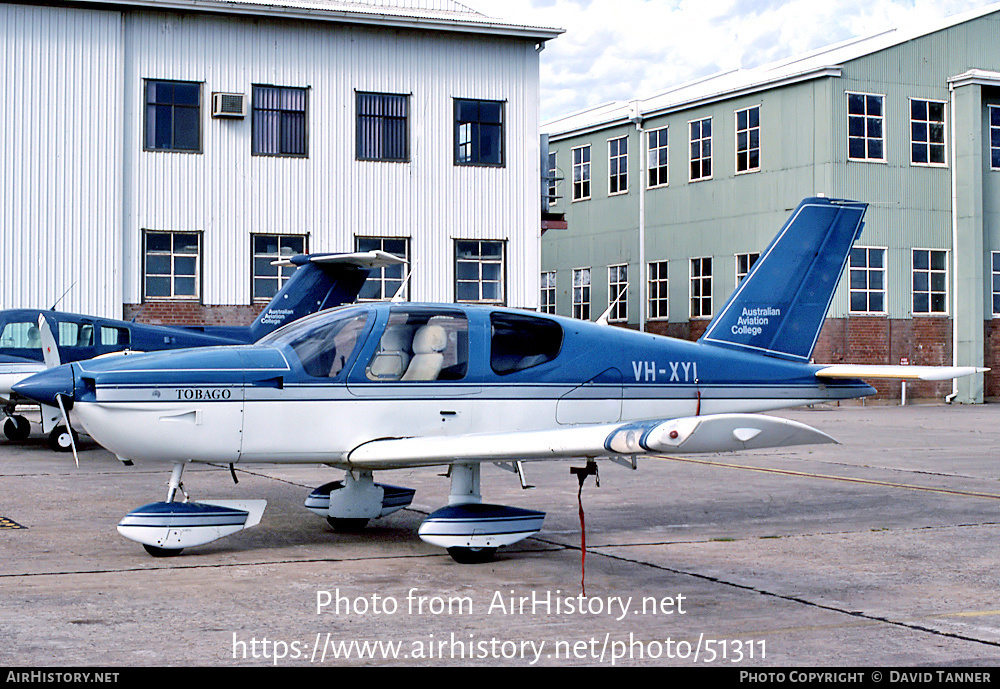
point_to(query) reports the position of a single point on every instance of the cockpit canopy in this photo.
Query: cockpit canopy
(418, 343)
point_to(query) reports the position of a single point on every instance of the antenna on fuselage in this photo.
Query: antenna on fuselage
(603, 320)
(398, 296)
(53, 307)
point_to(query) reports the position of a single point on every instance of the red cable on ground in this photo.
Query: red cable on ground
(583, 541)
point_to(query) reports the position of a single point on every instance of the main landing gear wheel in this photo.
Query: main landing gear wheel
(61, 440)
(471, 556)
(16, 428)
(342, 525)
(156, 551)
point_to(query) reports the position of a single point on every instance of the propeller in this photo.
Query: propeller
(50, 353)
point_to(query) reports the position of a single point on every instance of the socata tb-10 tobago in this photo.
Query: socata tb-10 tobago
(383, 386)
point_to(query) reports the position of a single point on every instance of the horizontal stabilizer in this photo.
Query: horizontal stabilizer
(693, 434)
(361, 259)
(852, 371)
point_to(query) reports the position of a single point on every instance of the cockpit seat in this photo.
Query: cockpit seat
(394, 354)
(429, 343)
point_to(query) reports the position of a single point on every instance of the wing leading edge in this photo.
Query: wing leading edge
(686, 435)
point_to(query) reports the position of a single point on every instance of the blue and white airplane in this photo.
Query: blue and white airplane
(374, 387)
(320, 281)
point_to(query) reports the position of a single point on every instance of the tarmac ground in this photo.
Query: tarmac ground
(881, 551)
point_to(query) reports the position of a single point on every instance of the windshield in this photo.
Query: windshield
(324, 343)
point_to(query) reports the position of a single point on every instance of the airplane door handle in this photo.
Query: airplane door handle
(445, 412)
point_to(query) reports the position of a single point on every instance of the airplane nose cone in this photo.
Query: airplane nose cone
(45, 385)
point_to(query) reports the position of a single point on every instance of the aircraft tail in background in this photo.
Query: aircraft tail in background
(780, 306)
(321, 281)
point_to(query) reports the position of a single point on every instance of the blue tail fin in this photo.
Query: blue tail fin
(321, 281)
(781, 304)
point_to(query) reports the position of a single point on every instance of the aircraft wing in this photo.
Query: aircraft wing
(692, 434)
(897, 372)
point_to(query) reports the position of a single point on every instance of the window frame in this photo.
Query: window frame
(750, 148)
(995, 281)
(585, 173)
(198, 118)
(581, 306)
(994, 130)
(701, 279)
(377, 275)
(751, 258)
(868, 269)
(284, 272)
(930, 271)
(928, 122)
(172, 275)
(617, 165)
(552, 187)
(661, 170)
(475, 140)
(256, 126)
(866, 119)
(547, 292)
(700, 141)
(384, 124)
(483, 259)
(619, 312)
(657, 305)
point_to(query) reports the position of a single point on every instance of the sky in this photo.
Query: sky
(627, 49)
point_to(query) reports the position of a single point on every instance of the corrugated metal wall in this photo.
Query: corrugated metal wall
(60, 158)
(229, 194)
(80, 189)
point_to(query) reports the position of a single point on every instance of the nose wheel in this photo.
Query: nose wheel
(62, 439)
(16, 428)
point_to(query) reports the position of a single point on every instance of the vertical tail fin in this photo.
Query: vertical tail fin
(321, 281)
(780, 306)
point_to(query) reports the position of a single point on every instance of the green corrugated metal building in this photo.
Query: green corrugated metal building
(669, 199)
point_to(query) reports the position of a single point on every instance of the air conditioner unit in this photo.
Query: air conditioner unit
(229, 105)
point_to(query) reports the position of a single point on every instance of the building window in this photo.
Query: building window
(382, 129)
(171, 265)
(996, 282)
(658, 296)
(618, 292)
(173, 116)
(479, 271)
(867, 280)
(927, 132)
(656, 157)
(864, 127)
(552, 179)
(701, 287)
(748, 140)
(618, 165)
(383, 283)
(995, 137)
(581, 173)
(279, 121)
(547, 304)
(478, 132)
(701, 149)
(744, 262)
(268, 248)
(930, 281)
(581, 293)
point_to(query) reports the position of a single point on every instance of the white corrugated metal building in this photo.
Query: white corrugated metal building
(405, 124)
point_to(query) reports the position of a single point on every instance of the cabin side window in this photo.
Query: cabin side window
(522, 342)
(420, 346)
(23, 335)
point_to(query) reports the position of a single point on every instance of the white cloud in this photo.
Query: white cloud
(623, 49)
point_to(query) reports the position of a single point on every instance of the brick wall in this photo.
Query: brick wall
(879, 340)
(191, 313)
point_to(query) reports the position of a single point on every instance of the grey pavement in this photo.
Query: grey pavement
(881, 551)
